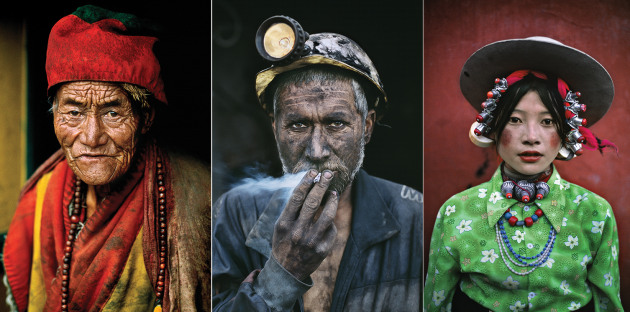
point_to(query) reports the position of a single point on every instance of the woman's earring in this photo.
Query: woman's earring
(565, 154)
(476, 139)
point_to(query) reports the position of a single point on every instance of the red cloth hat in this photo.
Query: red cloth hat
(100, 45)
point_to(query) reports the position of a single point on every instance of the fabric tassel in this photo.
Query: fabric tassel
(594, 143)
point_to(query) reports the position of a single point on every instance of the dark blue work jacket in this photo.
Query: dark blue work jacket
(379, 271)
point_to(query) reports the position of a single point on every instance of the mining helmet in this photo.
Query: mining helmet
(282, 41)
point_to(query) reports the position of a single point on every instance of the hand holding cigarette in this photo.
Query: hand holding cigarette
(301, 239)
(317, 178)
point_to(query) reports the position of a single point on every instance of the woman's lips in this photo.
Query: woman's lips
(530, 156)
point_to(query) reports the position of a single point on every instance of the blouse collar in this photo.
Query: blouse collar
(552, 205)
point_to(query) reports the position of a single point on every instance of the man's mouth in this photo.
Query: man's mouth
(92, 158)
(92, 155)
(530, 156)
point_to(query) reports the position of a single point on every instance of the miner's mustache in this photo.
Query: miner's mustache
(332, 166)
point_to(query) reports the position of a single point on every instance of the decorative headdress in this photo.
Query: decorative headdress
(539, 55)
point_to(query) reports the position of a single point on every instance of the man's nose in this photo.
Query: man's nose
(93, 133)
(318, 148)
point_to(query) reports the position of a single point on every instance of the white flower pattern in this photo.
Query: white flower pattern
(598, 227)
(449, 209)
(438, 297)
(549, 263)
(574, 306)
(495, 197)
(562, 185)
(609, 279)
(571, 242)
(489, 255)
(518, 236)
(482, 193)
(464, 226)
(510, 283)
(564, 286)
(580, 198)
(518, 306)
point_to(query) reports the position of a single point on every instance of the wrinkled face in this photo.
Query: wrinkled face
(97, 130)
(317, 125)
(529, 142)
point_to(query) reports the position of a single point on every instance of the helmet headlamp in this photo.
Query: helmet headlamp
(280, 38)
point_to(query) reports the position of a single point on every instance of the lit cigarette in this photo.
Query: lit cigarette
(319, 175)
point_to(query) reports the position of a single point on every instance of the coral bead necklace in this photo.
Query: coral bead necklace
(529, 221)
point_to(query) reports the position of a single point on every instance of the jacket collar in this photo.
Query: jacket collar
(552, 205)
(372, 220)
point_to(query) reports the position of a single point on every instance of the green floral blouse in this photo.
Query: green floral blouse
(583, 264)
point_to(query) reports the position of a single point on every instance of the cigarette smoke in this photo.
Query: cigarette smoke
(258, 181)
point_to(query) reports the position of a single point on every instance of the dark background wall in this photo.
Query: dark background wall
(456, 29)
(389, 31)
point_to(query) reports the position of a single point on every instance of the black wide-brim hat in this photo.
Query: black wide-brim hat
(579, 70)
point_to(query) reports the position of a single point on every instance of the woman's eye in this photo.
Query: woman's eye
(515, 119)
(547, 122)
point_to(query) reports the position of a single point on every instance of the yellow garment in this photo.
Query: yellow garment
(37, 292)
(133, 291)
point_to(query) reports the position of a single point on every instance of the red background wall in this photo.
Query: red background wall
(455, 29)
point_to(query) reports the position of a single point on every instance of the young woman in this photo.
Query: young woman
(527, 240)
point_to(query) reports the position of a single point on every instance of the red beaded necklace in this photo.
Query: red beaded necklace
(529, 221)
(75, 226)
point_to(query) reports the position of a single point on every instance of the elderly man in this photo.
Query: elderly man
(112, 221)
(341, 240)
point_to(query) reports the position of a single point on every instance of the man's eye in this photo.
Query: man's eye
(298, 125)
(74, 113)
(337, 124)
(112, 114)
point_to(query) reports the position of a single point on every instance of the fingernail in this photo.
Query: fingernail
(312, 173)
(327, 174)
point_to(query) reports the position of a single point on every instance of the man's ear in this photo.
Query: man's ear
(370, 121)
(273, 127)
(148, 120)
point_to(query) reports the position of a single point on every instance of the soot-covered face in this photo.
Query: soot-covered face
(317, 125)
